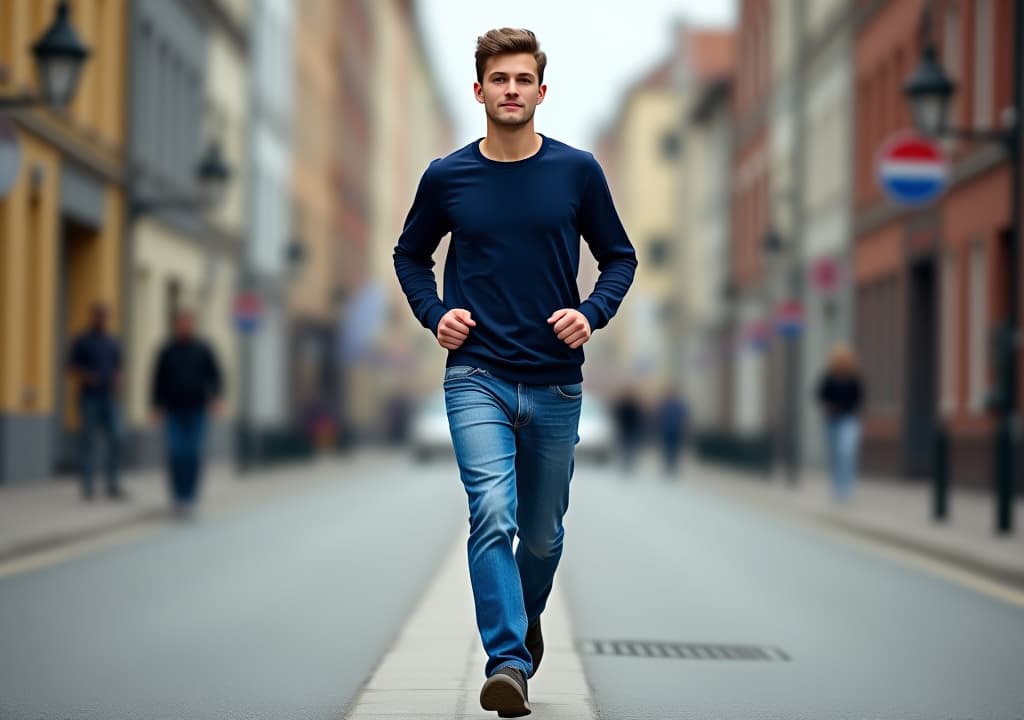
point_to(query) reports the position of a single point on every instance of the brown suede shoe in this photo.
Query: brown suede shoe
(535, 644)
(505, 691)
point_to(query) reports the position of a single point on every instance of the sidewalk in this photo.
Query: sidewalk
(36, 517)
(892, 511)
(434, 669)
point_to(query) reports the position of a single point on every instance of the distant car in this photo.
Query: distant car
(595, 430)
(429, 435)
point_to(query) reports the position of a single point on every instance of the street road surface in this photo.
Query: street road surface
(685, 605)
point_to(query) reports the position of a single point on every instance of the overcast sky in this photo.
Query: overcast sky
(595, 51)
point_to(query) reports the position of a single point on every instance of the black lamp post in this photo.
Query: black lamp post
(212, 173)
(60, 56)
(929, 90)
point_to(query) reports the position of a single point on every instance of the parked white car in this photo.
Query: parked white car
(430, 437)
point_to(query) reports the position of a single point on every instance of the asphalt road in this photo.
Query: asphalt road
(685, 605)
(278, 611)
(745, 617)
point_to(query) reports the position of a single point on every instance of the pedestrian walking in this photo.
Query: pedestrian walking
(95, 361)
(672, 416)
(516, 203)
(840, 393)
(629, 427)
(186, 387)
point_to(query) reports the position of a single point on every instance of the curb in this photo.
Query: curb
(58, 540)
(966, 561)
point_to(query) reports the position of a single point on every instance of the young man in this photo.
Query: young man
(186, 385)
(516, 204)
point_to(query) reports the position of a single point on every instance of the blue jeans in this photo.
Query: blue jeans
(185, 430)
(844, 444)
(514, 445)
(98, 415)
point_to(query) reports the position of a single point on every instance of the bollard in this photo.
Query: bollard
(940, 476)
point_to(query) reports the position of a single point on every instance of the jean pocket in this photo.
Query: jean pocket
(457, 372)
(572, 391)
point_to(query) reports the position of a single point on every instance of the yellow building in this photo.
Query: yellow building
(649, 157)
(61, 227)
(404, 360)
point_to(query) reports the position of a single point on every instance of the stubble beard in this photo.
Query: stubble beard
(508, 122)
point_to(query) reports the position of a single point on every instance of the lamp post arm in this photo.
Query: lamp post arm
(20, 101)
(1005, 137)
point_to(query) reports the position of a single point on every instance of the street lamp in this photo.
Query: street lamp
(294, 256)
(59, 56)
(212, 174)
(929, 90)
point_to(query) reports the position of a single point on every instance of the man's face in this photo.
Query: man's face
(184, 325)
(99, 317)
(510, 92)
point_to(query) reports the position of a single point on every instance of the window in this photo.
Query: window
(978, 328)
(948, 333)
(983, 70)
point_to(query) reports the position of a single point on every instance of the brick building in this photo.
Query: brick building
(931, 283)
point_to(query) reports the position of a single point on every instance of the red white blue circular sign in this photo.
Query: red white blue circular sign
(248, 312)
(912, 170)
(789, 318)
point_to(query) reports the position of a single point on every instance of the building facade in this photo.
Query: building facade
(265, 408)
(748, 292)
(825, 211)
(314, 244)
(932, 282)
(61, 229)
(392, 359)
(179, 258)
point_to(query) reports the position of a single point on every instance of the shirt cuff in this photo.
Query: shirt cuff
(434, 317)
(590, 313)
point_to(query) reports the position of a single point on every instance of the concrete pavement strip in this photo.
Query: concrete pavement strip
(434, 669)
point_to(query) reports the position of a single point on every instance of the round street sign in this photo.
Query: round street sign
(825, 275)
(248, 312)
(789, 318)
(912, 170)
(10, 156)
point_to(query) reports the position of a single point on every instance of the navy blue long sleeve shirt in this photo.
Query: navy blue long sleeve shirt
(514, 256)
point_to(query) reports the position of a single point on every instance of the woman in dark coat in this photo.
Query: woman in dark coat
(840, 393)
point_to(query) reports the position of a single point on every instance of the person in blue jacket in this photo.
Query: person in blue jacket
(516, 204)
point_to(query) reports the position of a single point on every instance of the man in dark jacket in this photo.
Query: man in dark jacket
(95, 361)
(186, 384)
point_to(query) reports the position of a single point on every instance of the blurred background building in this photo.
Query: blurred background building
(62, 226)
(744, 163)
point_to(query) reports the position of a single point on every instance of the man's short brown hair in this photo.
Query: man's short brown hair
(508, 41)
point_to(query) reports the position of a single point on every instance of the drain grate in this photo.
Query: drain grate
(681, 651)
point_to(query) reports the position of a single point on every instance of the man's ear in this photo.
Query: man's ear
(478, 91)
(543, 91)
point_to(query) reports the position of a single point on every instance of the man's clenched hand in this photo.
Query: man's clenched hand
(454, 327)
(571, 326)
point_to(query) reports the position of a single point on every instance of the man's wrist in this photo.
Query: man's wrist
(590, 313)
